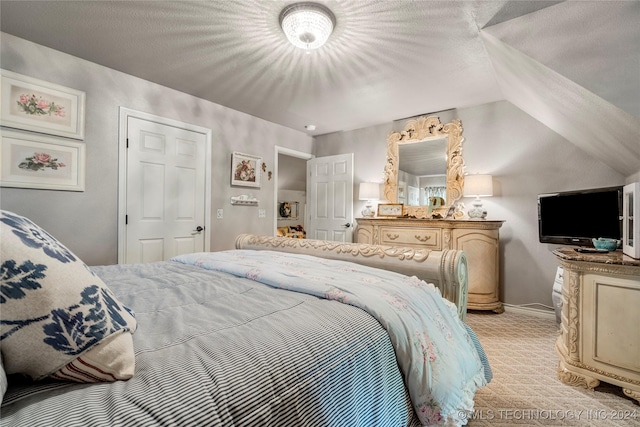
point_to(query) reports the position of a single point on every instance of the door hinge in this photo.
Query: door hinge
(127, 142)
(126, 219)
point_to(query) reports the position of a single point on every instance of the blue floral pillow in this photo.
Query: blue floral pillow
(57, 317)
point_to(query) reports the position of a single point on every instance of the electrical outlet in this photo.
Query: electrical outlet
(262, 213)
(219, 214)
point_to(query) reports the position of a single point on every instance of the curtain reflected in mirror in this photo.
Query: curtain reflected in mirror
(422, 174)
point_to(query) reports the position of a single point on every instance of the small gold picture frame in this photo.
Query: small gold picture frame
(390, 209)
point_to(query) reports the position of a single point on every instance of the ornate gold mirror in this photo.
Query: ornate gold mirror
(425, 167)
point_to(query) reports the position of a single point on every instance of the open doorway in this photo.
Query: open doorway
(290, 193)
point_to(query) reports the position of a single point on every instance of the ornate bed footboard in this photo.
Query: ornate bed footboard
(446, 269)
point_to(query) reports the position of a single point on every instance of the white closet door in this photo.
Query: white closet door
(330, 198)
(165, 191)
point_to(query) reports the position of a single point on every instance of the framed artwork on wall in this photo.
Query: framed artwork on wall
(245, 170)
(39, 106)
(390, 209)
(37, 161)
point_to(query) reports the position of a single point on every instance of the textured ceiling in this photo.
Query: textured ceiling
(424, 158)
(596, 45)
(386, 60)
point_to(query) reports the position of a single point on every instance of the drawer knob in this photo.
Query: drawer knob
(392, 236)
(422, 238)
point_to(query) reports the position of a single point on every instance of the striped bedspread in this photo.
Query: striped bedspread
(436, 353)
(213, 349)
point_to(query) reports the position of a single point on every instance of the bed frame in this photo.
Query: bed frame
(446, 269)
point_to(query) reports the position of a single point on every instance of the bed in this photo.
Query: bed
(278, 332)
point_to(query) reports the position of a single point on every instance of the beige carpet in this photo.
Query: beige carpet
(525, 389)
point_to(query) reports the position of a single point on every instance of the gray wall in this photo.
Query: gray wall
(525, 158)
(292, 173)
(369, 146)
(86, 222)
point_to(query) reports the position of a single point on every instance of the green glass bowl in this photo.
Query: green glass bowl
(606, 244)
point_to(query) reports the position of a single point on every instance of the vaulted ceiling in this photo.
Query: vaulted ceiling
(574, 65)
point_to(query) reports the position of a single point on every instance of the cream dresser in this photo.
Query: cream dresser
(600, 327)
(478, 239)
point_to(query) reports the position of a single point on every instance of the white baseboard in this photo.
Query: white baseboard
(547, 314)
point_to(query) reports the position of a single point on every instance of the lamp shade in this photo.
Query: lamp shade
(478, 185)
(369, 191)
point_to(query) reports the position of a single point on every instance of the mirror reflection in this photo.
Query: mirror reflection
(425, 168)
(422, 168)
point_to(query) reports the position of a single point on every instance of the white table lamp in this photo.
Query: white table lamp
(369, 191)
(478, 186)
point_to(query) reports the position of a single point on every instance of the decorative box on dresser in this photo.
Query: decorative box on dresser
(478, 239)
(600, 325)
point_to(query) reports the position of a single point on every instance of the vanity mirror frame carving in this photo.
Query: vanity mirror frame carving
(419, 130)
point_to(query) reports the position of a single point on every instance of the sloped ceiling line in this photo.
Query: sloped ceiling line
(596, 126)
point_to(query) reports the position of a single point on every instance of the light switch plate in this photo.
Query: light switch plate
(219, 214)
(262, 213)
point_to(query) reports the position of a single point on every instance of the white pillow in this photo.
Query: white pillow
(3, 381)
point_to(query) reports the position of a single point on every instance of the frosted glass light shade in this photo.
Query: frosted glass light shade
(307, 25)
(478, 185)
(369, 191)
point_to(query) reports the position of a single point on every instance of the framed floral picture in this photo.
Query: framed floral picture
(38, 161)
(39, 106)
(245, 170)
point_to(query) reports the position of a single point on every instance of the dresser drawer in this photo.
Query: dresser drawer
(421, 237)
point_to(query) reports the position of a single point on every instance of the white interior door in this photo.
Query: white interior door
(165, 191)
(330, 198)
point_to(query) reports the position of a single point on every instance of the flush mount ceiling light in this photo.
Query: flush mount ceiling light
(307, 25)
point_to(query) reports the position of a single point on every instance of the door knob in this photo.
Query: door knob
(347, 225)
(199, 229)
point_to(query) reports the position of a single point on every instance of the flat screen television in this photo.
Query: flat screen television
(575, 217)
